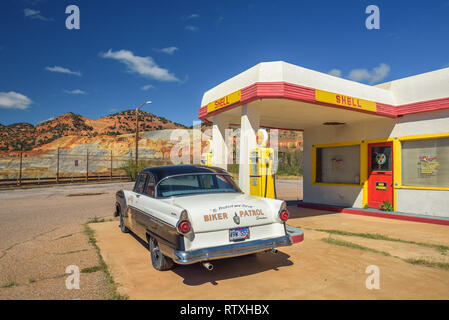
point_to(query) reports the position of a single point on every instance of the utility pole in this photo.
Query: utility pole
(111, 166)
(137, 136)
(20, 167)
(137, 130)
(87, 165)
(57, 168)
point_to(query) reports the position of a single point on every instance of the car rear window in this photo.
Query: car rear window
(196, 184)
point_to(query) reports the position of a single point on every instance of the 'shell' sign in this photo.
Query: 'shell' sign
(224, 102)
(345, 101)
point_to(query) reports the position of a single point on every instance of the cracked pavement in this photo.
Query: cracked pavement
(41, 233)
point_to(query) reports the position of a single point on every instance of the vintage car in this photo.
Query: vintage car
(194, 213)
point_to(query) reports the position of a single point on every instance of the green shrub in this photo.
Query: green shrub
(386, 206)
(290, 162)
(132, 170)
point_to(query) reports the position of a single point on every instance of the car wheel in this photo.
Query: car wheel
(123, 228)
(159, 261)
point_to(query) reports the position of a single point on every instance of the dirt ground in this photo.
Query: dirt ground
(42, 232)
(313, 269)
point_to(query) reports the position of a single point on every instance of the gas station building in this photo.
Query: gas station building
(363, 145)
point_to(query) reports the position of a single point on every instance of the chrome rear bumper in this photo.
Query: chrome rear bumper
(230, 250)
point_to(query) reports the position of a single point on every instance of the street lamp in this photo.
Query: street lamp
(137, 129)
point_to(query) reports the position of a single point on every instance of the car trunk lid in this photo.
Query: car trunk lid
(221, 211)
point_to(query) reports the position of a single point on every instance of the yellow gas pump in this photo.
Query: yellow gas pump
(206, 157)
(261, 161)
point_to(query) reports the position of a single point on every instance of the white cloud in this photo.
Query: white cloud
(147, 87)
(76, 91)
(359, 75)
(14, 100)
(192, 28)
(145, 66)
(63, 70)
(35, 14)
(169, 50)
(377, 74)
(193, 16)
(335, 73)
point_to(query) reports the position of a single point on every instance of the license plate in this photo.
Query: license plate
(238, 234)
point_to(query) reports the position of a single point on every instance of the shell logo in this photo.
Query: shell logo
(262, 137)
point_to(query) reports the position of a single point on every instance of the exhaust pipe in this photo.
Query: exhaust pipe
(209, 266)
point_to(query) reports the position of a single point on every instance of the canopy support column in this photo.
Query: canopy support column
(219, 146)
(249, 126)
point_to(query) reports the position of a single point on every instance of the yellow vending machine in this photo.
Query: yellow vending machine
(262, 177)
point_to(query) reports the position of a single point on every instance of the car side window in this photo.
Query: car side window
(149, 189)
(140, 184)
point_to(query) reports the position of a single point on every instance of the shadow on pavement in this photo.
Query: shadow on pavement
(196, 274)
(298, 212)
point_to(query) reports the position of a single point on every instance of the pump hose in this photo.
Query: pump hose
(266, 181)
(274, 183)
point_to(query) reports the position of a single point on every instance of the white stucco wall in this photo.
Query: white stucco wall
(426, 202)
(351, 196)
(421, 87)
(423, 202)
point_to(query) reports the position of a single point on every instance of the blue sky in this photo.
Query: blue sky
(171, 52)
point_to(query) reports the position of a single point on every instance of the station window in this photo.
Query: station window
(338, 164)
(425, 163)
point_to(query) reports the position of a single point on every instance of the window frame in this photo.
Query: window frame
(316, 157)
(406, 139)
(138, 180)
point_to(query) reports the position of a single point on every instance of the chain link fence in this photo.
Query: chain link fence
(62, 166)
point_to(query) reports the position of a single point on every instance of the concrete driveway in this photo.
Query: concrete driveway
(42, 233)
(331, 263)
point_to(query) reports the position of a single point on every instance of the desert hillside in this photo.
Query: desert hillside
(27, 137)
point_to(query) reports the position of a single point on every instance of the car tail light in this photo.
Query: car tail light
(284, 215)
(184, 226)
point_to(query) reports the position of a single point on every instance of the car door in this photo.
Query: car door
(158, 217)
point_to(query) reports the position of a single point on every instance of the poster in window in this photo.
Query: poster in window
(337, 164)
(428, 165)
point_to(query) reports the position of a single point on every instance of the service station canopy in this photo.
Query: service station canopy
(291, 97)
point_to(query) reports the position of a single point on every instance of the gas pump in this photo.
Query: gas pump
(261, 161)
(206, 157)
